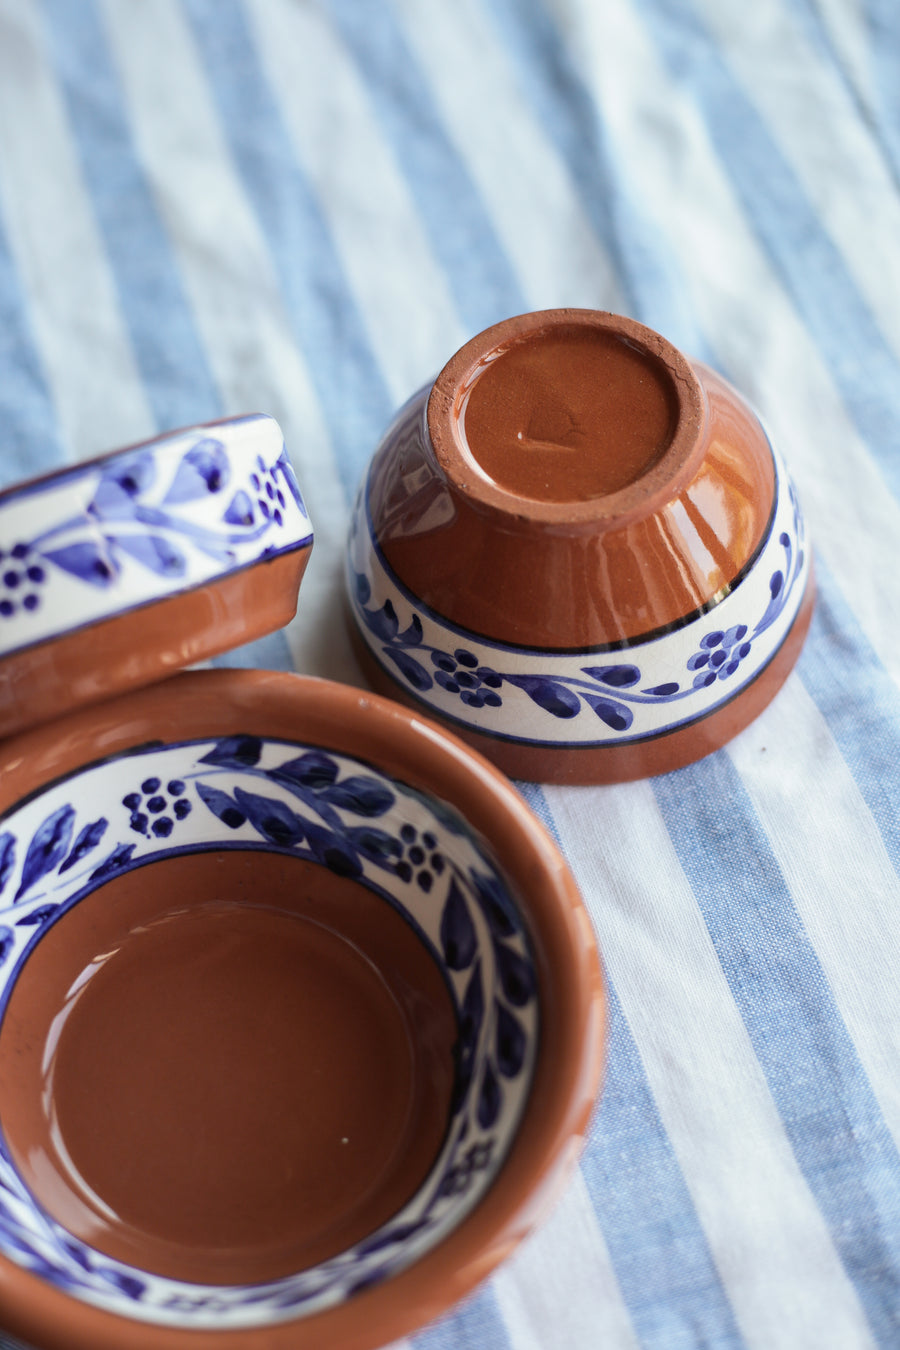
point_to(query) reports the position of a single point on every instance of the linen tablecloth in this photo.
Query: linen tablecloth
(304, 207)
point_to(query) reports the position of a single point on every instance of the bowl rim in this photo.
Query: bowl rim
(572, 988)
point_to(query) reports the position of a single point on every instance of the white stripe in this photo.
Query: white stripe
(842, 171)
(533, 203)
(834, 861)
(845, 21)
(560, 1291)
(743, 308)
(81, 335)
(233, 290)
(402, 293)
(766, 1234)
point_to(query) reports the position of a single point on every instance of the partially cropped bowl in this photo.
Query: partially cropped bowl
(581, 551)
(121, 570)
(301, 1020)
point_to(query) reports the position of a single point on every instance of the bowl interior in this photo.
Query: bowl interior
(269, 1023)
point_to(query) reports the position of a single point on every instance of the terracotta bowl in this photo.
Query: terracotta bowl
(121, 570)
(581, 551)
(301, 1020)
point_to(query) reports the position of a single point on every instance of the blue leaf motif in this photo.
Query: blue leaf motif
(314, 770)
(548, 694)
(458, 937)
(510, 1042)
(37, 916)
(235, 752)
(88, 839)
(240, 509)
(284, 466)
(204, 469)
(119, 858)
(516, 975)
(6, 941)
(665, 690)
(383, 622)
(471, 1016)
(88, 561)
(120, 487)
(271, 818)
(221, 805)
(154, 552)
(376, 845)
(410, 668)
(7, 857)
(48, 847)
(412, 636)
(496, 904)
(364, 796)
(490, 1098)
(616, 716)
(617, 677)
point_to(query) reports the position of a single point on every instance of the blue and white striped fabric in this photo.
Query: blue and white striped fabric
(304, 207)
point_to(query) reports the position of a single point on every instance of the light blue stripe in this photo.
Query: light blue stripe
(460, 228)
(827, 1107)
(885, 57)
(811, 268)
(653, 286)
(179, 385)
(318, 299)
(860, 703)
(655, 1241)
(476, 1325)
(30, 441)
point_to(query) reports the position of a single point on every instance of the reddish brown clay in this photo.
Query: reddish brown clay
(574, 482)
(261, 895)
(254, 1077)
(144, 645)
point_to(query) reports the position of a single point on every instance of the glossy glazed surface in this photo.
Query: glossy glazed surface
(234, 705)
(227, 1067)
(573, 573)
(578, 544)
(117, 571)
(570, 414)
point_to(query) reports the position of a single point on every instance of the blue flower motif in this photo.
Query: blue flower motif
(459, 673)
(719, 655)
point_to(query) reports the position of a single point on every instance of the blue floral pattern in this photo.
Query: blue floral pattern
(594, 696)
(246, 792)
(103, 537)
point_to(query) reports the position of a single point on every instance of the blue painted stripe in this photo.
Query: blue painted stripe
(828, 1110)
(170, 356)
(458, 223)
(653, 286)
(655, 1240)
(318, 299)
(860, 703)
(30, 434)
(476, 1325)
(811, 269)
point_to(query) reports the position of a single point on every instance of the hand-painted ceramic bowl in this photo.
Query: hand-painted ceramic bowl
(119, 571)
(581, 551)
(300, 1020)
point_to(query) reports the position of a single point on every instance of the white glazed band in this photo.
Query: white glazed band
(598, 696)
(102, 538)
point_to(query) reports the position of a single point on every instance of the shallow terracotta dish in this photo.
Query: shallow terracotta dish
(121, 570)
(581, 551)
(302, 1020)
